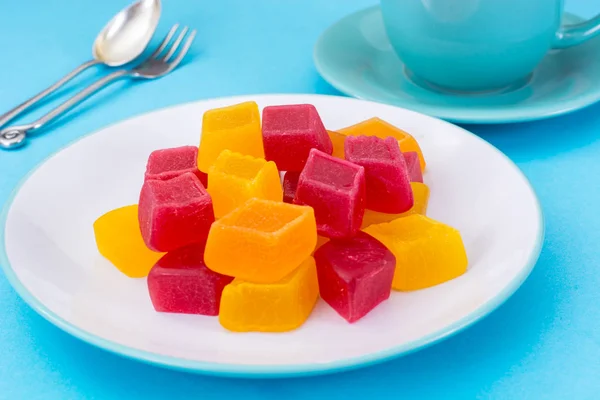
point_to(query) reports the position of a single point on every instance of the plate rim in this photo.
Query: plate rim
(466, 116)
(271, 370)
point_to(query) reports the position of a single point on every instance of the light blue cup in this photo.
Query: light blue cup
(478, 45)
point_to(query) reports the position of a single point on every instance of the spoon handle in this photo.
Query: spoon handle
(15, 136)
(73, 101)
(7, 117)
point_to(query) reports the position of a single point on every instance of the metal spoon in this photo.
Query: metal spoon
(164, 60)
(121, 41)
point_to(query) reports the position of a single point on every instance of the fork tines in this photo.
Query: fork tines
(171, 48)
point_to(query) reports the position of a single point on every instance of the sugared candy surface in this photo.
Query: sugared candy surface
(382, 129)
(335, 189)
(180, 282)
(427, 252)
(273, 307)
(355, 274)
(421, 197)
(235, 178)
(174, 213)
(290, 183)
(169, 163)
(119, 240)
(262, 241)
(290, 131)
(386, 175)
(413, 166)
(235, 128)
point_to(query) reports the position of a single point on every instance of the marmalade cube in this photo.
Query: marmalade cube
(271, 307)
(335, 189)
(382, 129)
(290, 183)
(321, 240)
(262, 241)
(235, 178)
(337, 139)
(235, 128)
(427, 252)
(386, 175)
(119, 240)
(169, 163)
(180, 282)
(421, 196)
(290, 131)
(413, 166)
(174, 213)
(355, 274)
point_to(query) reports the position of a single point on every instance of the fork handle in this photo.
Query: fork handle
(10, 115)
(73, 101)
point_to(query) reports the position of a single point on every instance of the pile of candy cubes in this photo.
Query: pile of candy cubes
(217, 231)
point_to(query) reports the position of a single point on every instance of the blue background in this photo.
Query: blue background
(542, 343)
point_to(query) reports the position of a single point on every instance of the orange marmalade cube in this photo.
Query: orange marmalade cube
(380, 128)
(236, 128)
(421, 199)
(119, 240)
(427, 252)
(262, 241)
(235, 178)
(321, 240)
(337, 139)
(270, 307)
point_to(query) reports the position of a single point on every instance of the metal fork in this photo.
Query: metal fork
(164, 60)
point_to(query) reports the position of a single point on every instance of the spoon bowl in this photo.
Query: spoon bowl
(127, 34)
(121, 41)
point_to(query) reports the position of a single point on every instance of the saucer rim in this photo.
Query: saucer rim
(494, 115)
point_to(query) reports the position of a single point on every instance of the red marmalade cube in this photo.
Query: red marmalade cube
(413, 166)
(174, 213)
(335, 189)
(169, 163)
(355, 274)
(386, 174)
(290, 183)
(289, 132)
(180, 282)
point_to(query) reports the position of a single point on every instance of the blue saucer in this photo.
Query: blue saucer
(355, 56)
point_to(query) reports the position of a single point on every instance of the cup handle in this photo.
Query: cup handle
(572, 35)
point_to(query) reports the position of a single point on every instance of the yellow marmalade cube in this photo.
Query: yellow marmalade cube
(119, 240)
(236, 128)
(380, 128)
(262, 241)
(234, 178)
(421, 197)
(270, 307)
(427, 252)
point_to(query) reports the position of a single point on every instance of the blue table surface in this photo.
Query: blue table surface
(543, 343)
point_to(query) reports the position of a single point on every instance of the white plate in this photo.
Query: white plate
(48, 252)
